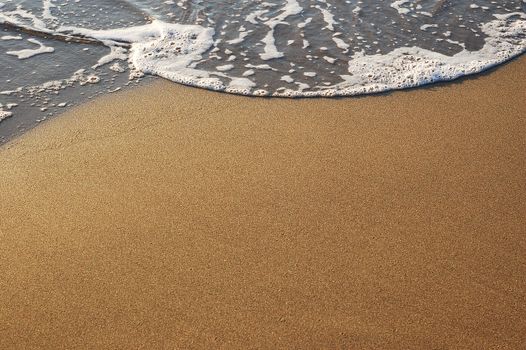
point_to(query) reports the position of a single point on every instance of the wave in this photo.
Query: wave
(297, 49)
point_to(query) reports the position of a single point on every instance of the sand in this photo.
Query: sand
(169, 217)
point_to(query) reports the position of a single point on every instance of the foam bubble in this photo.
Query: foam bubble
(4, 115)
(28, 53)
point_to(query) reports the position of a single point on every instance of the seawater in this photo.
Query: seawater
(54, 53)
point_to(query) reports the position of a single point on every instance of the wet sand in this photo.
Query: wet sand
(168, 217)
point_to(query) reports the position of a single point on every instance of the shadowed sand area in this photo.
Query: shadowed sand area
(177, 218)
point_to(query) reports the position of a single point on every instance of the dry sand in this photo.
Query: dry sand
(176, 218)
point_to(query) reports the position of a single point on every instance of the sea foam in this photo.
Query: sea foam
(172, 51)
(294, 48)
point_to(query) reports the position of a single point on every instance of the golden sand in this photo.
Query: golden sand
(169, 217)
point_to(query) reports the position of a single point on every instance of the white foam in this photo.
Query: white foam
(287, 78)
(341, 44)
(398, 6)
(328, 17)
(254, 16)
(270, 51)
(427, 26)
(331, 60)
(11, 37)
(412, 66)
(47, 5)
(509, 15)
(28, 53)
(241, 86)
(116, 53)
(4, 115)
(24, 19)
(260, 66)
(175, 52)
(240, 38)
(225, 67)
(116, 67)
(164, 49)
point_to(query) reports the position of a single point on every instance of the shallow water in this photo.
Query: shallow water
(54, 54)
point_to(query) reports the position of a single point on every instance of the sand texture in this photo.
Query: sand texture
(169, 217)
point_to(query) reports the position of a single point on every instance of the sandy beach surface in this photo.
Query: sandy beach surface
(168, 217)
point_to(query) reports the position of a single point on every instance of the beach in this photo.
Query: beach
(170, 217)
